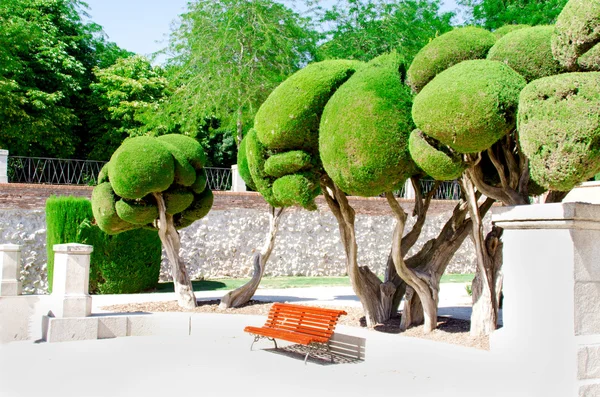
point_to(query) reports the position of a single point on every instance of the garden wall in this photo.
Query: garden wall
(222, 244)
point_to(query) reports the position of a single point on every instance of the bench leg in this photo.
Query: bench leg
(330, 353)
(257, 337)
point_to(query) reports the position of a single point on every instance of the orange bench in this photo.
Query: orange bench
(306, 325)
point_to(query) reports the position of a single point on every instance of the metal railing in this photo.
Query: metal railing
(447, 190)
(39, 170)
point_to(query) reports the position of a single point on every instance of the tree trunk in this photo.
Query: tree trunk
(243, 294)
(422, 284)
(484, 318)
(376, 297)
(171, 243)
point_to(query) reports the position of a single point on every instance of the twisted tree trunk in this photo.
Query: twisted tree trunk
(170, 240)
(243, 294)
(376, 297)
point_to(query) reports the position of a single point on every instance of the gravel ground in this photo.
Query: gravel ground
(449, 330)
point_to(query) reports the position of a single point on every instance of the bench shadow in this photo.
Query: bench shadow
(345, 349)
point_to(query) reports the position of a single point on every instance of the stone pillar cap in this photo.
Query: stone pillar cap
(73, 248)
(546, 213)
(3, 152)
(10, 247)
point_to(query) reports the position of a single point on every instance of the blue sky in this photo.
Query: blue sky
(142, 26)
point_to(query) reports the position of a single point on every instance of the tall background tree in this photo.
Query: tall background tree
(47, 53)
(225, 58)
(362, 30)
(493, 14)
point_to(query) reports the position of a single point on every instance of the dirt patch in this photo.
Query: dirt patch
(449, 330)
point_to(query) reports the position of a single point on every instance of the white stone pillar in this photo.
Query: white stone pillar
(71, 280)
(10, 264)
(551, 310)
(237, 183)
(3, 166)
(409, 189)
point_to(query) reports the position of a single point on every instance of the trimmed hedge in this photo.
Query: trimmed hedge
(528, 52)
(469, 106)
(559, 127)
(577, 31)
(435, 162)
(127, 263)
(297, 189)
(289, 117)
(447, 50)
(364, 130)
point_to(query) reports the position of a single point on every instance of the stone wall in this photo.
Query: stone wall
(222, 244)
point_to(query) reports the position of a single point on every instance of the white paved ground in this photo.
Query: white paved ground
(217, 362)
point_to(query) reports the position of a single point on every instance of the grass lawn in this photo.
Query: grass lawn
(289, 282)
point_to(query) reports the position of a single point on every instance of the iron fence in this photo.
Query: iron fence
(85, 172)
(51, 171)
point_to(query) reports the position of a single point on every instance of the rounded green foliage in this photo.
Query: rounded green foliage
(528, 52)
(105, 213)
(185, 174)
(200, 206)
(242, 163)
(469, 106)
(257, 153)
(141, 165)
(289, 117)
(103, 174)
(297, 189)
(200, 183)
(506, 29)
(436, 163)
(138, 212)
(189, 147)
(449, 49)
(591, 59)
(364, 130)
(177, 200)
(285, 163)
(559, 128)
(577, 31)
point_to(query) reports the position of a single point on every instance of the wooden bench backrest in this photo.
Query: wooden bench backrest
(308, 320)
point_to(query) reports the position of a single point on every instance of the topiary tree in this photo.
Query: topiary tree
(363, 135)
(155, 183)
(469, 111)
(243, 294)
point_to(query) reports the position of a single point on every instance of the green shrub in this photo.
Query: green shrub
(437, 163)
(528, 52)
(591, 59)
(449, 49)
(127, 263)
(469, 106)
(189, 147)
(141, 165)
(289, 117)
(200, 183)
(287, 163)
(365, 128)
(577, 31)
(506, 29)
(199, 208)
(242, 163)
(559, 128)
(64, 215)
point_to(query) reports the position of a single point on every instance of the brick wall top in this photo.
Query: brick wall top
(29, 196)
